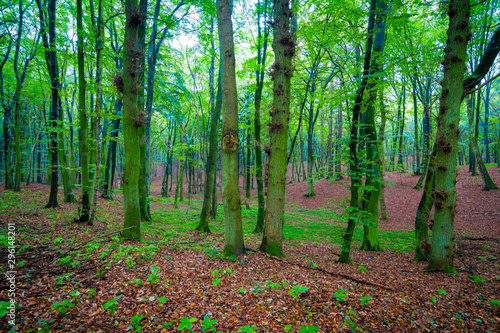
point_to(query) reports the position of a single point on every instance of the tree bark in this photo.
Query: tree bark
(353, 210)
(82, 110)
(132, 120)
(230, 142)
(282, 70)
(443, 240)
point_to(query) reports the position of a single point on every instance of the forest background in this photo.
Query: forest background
(197, 98)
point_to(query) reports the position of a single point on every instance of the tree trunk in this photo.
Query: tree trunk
(98, 46)
(443, 240)
(282, 70)
(373, 173)
(485, 176)
(353, 145)
(84, 147)
(211, 169)
(53, 69)
(230, 192)
(422, 247)
(381, 138)
(132, 120)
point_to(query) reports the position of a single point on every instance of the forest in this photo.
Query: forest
(250, 166)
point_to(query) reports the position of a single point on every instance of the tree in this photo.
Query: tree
(230, 141)
(49, 42)
(261, 62)
(82, 112)
(282, 70)
(445, 195)
(132, 120)
(353, 209)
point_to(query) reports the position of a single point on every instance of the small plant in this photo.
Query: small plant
(216, 280)
(273, 285)
(349, 321)
(111, 305)
(308, 328)
(135, 323)
(441, 292)
(154, 276)
(365, 300)
(248, 329)
(162, 300)
(433, 299)
(207, 324)
(187, 324)
(296, 290)
(340, 295)
(362, 269)
(476, 279)
(91, 292)
(494, 302)
(75, 293)
(62, 306)
(137, 281)
(61, 279)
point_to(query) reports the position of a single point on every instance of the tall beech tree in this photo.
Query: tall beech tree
(47, 17)
(445, 194)
(261, 63)
(133, 119)
(230, 141)
(282, 70)
(353, 210)
(82, 113)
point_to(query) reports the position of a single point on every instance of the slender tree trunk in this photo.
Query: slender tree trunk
(485, 176)
(381, 138)
(282, 70)
(84, 147)
(211, 167)
(373, 173)
(230, 192)
(310, 156)
(422, 247)
(132, 120)
(98, 46)
(354, 165)
(49, 42)
(443, 240)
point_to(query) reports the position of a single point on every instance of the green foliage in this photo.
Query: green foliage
(296, 290)
(494, 302)
(308, 328)
(340, 295)
(207, 324)
(362, 268)
(154, 276)
(186, 324)
(248, 329)
(135, 323)
(365, 299)
(476, 279)
(162, 300)
(62, 306)
(111, 305)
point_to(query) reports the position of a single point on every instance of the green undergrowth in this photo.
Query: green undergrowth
(316, 226)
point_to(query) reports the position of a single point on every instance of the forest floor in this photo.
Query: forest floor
(75, 278)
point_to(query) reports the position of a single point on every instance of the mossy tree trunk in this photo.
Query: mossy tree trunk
(373, 174)
(48, 15)
(355, 174)
(261, 62)
(282, 70)
(212, 158)
(422, 248)
(82, 111)
(230, 191)
(443, 234)
(132, 120)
